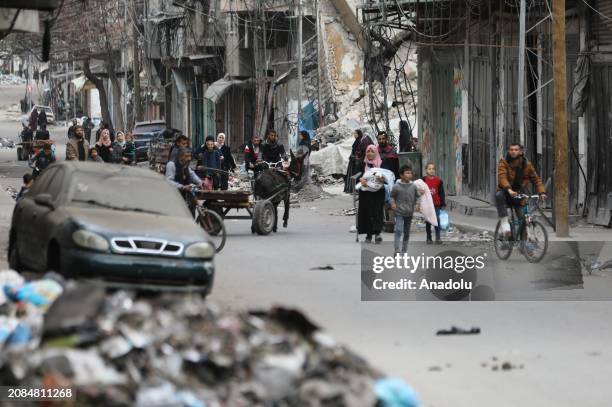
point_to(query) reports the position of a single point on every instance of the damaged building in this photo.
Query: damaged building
(468, 77)
(237, 67)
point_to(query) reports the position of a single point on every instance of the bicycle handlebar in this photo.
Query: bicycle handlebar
(521, 196)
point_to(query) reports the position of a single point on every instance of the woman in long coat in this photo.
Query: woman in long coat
(371, 203)
(356, 162)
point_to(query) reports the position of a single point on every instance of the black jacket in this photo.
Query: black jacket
(228, 162)
(273, 152)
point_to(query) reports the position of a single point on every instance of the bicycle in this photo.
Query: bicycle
(210, 221)
(526, 233)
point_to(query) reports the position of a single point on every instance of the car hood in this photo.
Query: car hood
(112, 223)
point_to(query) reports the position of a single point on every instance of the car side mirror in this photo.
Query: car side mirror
(44, 200)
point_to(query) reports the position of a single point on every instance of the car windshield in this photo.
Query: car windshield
(123, 193)
(148, 128)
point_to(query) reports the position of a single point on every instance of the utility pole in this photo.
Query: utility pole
(521, 70)
(299, 68)
(561, 173)
(137, 107)
(318, 31)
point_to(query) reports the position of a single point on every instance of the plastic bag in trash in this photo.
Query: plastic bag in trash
(392, 392)
(9, 277)
(20, 335)
(40, 293)
(7, 326)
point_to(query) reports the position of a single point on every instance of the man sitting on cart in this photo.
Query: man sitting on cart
(273, 151)
(180, 174)
(42, 159)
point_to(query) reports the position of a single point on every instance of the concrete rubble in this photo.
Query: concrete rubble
(119, 348)
(11, 79)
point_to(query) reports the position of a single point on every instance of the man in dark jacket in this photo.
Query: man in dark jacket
(210, 158)
(71, 129)
(42, 133)
(252, 153)
(390, 160)
(273, 151)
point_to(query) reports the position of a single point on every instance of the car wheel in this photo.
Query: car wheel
(14, 261)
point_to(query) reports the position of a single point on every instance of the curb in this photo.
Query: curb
(471, 228)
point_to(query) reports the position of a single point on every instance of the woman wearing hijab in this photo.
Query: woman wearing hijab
(303, 153)
(119, 148)
(355, 164)
(105, 147)
(227, 161)
(371, 198)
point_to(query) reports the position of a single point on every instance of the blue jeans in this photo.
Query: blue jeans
(428, 226)
(402, 225)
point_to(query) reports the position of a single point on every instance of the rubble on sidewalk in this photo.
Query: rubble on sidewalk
(309, 192)
(177, 349)
(12, 79)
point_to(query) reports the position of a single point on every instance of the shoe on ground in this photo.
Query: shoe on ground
(429, 241)
(368, 240)
(438, 241)
(378, 239)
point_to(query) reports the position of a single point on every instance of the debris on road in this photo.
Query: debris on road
(310, 192)
(328, 267)
(120, 348)
(454, 330)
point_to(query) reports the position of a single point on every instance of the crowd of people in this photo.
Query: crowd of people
(215, 162)
(374, 172)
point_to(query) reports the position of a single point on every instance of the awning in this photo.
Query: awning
(82, 83)
(216, 90)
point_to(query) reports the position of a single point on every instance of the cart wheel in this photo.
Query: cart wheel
(264, 217)
(19, 154)
(213, 224)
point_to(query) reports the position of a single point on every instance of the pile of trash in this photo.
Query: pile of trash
(11, 79)
(308, 193)
(175, 349)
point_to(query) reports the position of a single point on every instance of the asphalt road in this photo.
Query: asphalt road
(564, 348)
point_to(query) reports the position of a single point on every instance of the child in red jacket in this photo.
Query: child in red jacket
(436, 186)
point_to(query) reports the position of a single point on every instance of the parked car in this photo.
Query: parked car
(144, 132)
(48, 112)
(115, 223)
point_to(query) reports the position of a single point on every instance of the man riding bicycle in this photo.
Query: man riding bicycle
(513, 175)
(179, 174)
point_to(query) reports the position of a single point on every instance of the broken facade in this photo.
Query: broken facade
(468, 93)
(232, 67)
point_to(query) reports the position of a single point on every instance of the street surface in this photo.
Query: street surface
(560, 350)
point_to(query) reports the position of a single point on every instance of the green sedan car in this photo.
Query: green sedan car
(116, 223)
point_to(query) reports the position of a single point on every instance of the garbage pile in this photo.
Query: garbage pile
(308, 193)
(176, 349)
(11, 79)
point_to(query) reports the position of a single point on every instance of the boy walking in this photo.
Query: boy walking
(404, 196)
(436, 187)
(28, 180)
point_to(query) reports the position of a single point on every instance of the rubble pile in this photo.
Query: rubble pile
(176, 349)
(11, 79)
(308, 193)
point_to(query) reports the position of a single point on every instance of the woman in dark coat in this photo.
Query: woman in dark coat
(105, 147)
(355, 164)
(371, 203)
(227, 161)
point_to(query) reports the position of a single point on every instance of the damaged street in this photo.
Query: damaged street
(312, 203)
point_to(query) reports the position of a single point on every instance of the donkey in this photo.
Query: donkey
(271, 181)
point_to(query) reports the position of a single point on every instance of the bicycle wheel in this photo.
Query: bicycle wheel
(503, 245)
(213, 224)
(534, 241)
